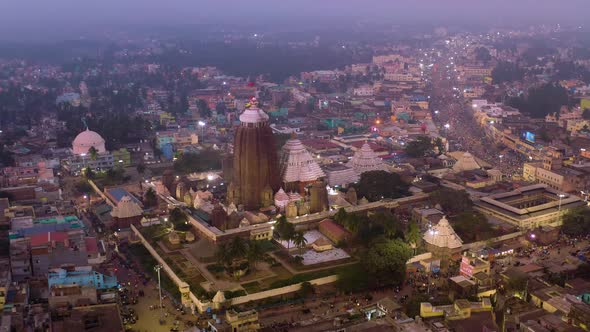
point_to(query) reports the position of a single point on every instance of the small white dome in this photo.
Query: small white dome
(87, 139)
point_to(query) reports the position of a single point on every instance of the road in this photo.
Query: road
(453, 115)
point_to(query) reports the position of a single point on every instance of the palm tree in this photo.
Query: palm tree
(299, 240)
(287, 234)
(237, 248)
(92, 152)
(223, 255)
(413, 235)
(352, 223)
(150, 197)
(254, 253)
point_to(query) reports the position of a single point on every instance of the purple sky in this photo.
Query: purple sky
(29, 15)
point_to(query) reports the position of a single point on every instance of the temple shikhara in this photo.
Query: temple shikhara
(293, 185)
(365, 160)
(255, 162)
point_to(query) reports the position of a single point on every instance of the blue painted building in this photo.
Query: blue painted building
(83, 276)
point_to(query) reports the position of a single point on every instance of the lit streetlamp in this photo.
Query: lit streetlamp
(202, 125)
(158, 268)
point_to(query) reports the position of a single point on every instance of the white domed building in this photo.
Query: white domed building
(81, 156)
(86, 140)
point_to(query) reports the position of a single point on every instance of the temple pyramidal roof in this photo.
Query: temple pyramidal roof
(365, 160)
(466, 162)
(126, 208)
(297, 164)
(443, 235)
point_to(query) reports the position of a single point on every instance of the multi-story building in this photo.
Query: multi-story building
(529, 207)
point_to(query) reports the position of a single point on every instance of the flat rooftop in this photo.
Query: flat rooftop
(529, 201)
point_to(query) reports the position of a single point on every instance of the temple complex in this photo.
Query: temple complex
(255, 166)
(365, 159)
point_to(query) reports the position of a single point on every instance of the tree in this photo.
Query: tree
(412, 235)
(223, 255)
(299, 240)
(88, 173)
(438, 143)
(482, 54)
(541, 100)
(179, 220)
(385, 262)
(285, 229)
(472, 226)
(150, 198)
(254, 252)
(238, 248)
(586, 114)
(340, 216)
(419, 147)
(576, 222)
(140, 168)
(353, 279)
(306, 289)
(517, 282)
(352, 223)
(205, 160)
(83, 187)
(507, 72)
(93, 153)
(452, 201)
(376, 185)
(204, 111)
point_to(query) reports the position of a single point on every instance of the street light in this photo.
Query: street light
(202, 125)
(447, 126)
(158, 268)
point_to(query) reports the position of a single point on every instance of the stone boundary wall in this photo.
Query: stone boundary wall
(280, 291)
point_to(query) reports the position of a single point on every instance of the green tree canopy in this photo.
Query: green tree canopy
(412, 234)
(206, 160)
(542, 100)
(179, 220)
(150, 198)
(507, 72)
(376, 185)
(472, 226)
(576, 222)
(482, 54)
(385, 262)
(452, 201)
(419, 147)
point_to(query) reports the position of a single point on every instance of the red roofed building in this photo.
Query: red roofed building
(333, 231)
(49, 237)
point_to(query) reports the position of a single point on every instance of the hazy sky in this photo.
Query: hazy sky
(45, 16)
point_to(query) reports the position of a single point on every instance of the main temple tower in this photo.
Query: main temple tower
(255, 164)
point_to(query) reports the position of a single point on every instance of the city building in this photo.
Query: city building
(84, 157)
(529, 207)
(81, 275)
(245, 321)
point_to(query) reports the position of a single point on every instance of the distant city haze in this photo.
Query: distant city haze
(38, 19)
